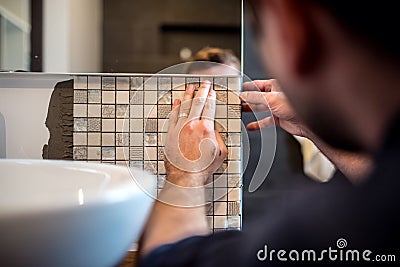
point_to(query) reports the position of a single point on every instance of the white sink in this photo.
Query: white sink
(63, 213)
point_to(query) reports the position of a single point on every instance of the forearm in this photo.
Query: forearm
(177, 214)
(353, 165)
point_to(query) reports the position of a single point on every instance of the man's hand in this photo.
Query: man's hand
(193, 151)
(193, 147)
(267, 95)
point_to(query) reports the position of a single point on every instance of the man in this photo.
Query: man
(339, 71)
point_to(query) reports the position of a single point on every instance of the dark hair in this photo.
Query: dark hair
(214, 55)
(375, 23)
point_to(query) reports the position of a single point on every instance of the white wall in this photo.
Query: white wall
(72, 35)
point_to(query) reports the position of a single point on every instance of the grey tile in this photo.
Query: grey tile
(136, 83)
(80, 153)
(136, 153)
(108, 83)
(150, 166)
(136, 164)
(164, 97)
(234, 139)
(80, 124)
(122, 139)
(108, 153)
(94, 96)
(220, 83)
(163, 111)
(136, 97)
(123, 83)
(150, 125)
(150, 139)
(136, 139)
(164, 83)
(80, 82)
(122, 111)
(136, 125)
(108, 111)
(94, 82)
(80, 96)
(94, 124)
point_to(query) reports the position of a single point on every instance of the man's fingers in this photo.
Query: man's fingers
(209, 107)
(253, 97)
(264, 123)
(173, 116)
(254, 107)
(199, 100)
(187, 101)
(262, 86)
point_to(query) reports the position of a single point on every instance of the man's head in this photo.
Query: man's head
(333, 58)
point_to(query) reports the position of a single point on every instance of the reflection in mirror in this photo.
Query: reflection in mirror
(113, 35)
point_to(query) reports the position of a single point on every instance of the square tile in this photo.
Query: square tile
(108, 125)
(164, 111)
(220, 125)
(108, 139)
(220, 111)
(234, 180)
(80, 139)
(220, 208)
(94, 96)
(122, 83)
(136, 164)
(160, 153)
(136, 125)
(222, 168)
(177, 95)
(234, 208)
(136, 97)
(94, 139)
(233, 98)
(234, 139)
(122, 139)
(94, 153)
(122, 111)
(150, 153)
(164, 83)
(222, 97)
(80, 82)
(220, 180)
(136, 139)
(108, 83)
(94, 110)
(108, 153)
(161, 180)
(108, 97)
(234, 221)
(161, 168)
(234, 111)
(161, 139)
(150, 84)
(234, 167)
(234, 194)
(220, 83)
(136, 111)
(122, 125)
(193, 80)
(108, 111)
(220, 193)
(94, 82)
(80, 124)
(234, 84)
(164, 98)
(122, 153)
(178, 83)
(234, 153)
(94, 124)
(136, 83)
(80, 110)
(150, 166)
(80, 96)
(234, 125)
(150, 111)
(162, 125)
(150, 97)
(123, 97)
(150, 139)
(80, 153)
(150, 125)
(136, 153)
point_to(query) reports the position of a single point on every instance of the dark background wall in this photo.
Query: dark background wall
(147, 35)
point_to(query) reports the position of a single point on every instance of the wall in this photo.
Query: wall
(72, 35)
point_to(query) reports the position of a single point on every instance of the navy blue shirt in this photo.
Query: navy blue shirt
(338, 224)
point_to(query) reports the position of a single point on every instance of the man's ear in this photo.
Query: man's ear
(296, 33)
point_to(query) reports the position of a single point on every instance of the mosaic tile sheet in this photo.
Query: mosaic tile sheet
(123, 120)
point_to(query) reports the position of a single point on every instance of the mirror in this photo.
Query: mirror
(113, 35)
